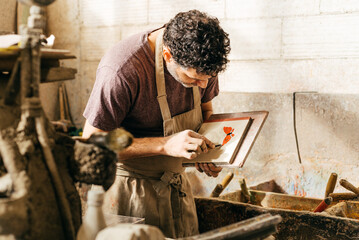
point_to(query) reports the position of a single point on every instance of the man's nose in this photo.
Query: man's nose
(202, 84)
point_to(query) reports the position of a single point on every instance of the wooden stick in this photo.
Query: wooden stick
(217, 190)
(227, 179)
(349, 186)
(331, 184)
(61, 100)
(67, 106)
(342, 196)
(220, 187)
(244, 189)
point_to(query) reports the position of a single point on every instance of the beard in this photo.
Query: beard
(171, 67)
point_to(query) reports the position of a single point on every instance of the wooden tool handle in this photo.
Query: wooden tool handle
(227, 179)
(349, 186)
(331, 184)
(244, 189)
(217, 190)
(343, 196)
(324, 204)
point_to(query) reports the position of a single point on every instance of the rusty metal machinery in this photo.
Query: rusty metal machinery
(38, 167)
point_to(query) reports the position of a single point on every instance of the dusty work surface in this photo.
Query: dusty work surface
(348, 209)
(214, 213)
(275, 200)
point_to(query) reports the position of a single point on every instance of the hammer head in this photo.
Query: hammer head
(118, 139)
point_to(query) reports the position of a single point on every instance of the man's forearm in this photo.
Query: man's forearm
(143, 147)
(187, 144)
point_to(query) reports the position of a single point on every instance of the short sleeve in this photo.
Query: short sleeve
(109, 101)
(211, 91)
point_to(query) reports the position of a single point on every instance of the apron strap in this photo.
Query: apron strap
(196, 97)
(161, 88)
(160, 80)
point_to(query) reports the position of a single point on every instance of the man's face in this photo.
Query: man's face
(188, 77)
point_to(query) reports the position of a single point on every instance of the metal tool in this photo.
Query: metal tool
(295, 124)
(220, 187)
(114, 140)
(258, 227)
(331, 184)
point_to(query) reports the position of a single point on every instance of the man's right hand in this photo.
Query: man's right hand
(187, 144)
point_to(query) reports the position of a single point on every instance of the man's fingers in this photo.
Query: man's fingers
(200, 139)
(193, 147)
(198, 168)
(204, 147)
(190, 155)
(205, 167)
(209, 143)
(194, 134)
(214, 168)
(209, 168)
(201, 143)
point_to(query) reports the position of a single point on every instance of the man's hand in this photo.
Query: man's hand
(187, 144)
(208, 168)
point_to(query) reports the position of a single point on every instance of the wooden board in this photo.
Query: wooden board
(57, 74)
(8, 57)
(258, 118)
(50, 65)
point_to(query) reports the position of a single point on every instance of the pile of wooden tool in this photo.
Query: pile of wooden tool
(338, 200)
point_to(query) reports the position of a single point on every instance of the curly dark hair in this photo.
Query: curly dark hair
(197, 41)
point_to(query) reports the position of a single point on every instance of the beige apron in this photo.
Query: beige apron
(156, 188)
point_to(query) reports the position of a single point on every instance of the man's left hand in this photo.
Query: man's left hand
(208, 168)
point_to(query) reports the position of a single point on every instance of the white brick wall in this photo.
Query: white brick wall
(339, 6)
(277, 45)
(321, 36)
(95, 41)
(7, 16)
(212, 7)
(254, 38)
(321, 75)
(129, 30)
(161, 11)
(113, 12)
(270, 8)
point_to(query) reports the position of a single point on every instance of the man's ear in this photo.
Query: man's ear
(167, 54)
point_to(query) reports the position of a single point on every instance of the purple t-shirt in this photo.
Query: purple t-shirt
(125, 93)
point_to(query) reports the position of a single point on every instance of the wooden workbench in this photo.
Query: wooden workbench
(50, 63)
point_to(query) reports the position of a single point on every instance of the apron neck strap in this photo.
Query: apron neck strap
(160, 79)
(160, 82)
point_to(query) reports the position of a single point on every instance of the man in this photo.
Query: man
(161, 103)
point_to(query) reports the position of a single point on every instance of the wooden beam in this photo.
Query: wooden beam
(57, 74)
